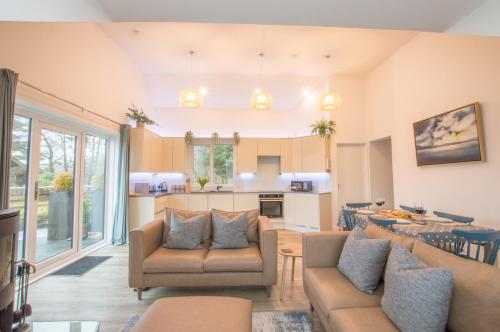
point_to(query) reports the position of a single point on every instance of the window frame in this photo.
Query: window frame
(211, 174)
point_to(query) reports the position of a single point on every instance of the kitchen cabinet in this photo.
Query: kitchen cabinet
(315, 154)
(220, 201)
(166, 154)
(269, 147)
(308, 210)
(297, 155)
(197, 202)
(177, 201)
(246, 201)
(179, 155)
(286, 155)
(246, 157)
(144, 146)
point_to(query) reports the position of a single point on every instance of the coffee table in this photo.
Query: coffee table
(296, 251)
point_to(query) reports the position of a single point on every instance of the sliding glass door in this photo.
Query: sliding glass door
(58, 182)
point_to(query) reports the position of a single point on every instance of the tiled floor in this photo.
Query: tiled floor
(103, 294)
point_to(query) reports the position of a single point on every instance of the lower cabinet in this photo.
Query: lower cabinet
(221, 202)
(246, 201)
(197, 202)
(309, 210)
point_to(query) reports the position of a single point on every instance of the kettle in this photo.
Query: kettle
(163, 186)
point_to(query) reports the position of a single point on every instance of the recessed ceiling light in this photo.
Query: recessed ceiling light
(136, 31)
(295, 56)
(203, 90)
(306, 92)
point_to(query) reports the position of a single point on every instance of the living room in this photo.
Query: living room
(272, 141)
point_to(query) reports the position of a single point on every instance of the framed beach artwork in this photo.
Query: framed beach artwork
(452, 137)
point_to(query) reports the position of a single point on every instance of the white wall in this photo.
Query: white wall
(76, 61)
(483, 21)
(431, 74)
(381, 178)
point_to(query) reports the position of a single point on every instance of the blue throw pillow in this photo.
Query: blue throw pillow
(229, 233)
(187, 233)
(416, 297)
(362, 260)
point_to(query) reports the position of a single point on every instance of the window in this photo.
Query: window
(214, 161)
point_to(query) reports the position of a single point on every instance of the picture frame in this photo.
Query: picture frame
(455, 136)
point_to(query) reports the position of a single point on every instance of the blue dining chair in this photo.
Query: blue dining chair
(490, 240)
(454, 217)
(410, 209)
(349, 218)
(382, 222)
(356, 206)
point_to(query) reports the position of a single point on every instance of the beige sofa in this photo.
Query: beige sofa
(475, 304)
(151, 265)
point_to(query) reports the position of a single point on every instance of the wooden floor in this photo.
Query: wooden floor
(103, 294)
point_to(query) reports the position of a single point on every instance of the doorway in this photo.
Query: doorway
(381, 177)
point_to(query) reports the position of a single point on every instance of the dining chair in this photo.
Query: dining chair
(382, 222)
(410, 209)
(355, 206)
(349, 218)
(454, 217)
(490, 240)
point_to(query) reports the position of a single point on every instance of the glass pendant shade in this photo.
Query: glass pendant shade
(330, 101)
(190, 98)
(261, 100)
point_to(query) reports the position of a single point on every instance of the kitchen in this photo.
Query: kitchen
(288, 179)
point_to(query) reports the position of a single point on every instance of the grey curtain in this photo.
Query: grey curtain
(120, 222)
(8, 83)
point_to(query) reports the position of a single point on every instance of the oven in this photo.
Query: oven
(271, 205)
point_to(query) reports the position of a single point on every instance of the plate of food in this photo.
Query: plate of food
(439, 220)
(365, 212)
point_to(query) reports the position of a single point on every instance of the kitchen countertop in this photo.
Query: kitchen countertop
(164, 193)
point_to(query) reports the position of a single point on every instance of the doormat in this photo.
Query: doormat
(270, 321)
(81, 266)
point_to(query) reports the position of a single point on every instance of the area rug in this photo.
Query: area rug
(81, 266)
(269, 321)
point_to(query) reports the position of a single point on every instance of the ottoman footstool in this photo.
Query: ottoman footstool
(197, 314)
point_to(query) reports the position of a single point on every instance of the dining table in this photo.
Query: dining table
(436, 231)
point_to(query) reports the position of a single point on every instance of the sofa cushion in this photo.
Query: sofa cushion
(187, 233)
(375, 232)
(229, 233)
(361, 320)
(253, 222)
(416, 297)
(475, 301)
(233, 260)
(165, 260)
(331, 290)
(186, 214)
(362, 260)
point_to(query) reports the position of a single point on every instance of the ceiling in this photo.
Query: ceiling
(422, 15)
(163, 48)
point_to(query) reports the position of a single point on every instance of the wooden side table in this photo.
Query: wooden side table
(296, 251)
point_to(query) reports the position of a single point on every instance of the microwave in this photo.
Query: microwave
(301, 186)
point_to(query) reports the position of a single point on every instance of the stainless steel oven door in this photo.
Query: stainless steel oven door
(271, 207)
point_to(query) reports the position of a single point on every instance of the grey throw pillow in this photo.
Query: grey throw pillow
(362, 260)
(416, 297)
(185, 233)
(229, 232)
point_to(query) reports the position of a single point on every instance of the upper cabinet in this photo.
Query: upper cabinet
(179, 155)
(286, 155)
(315, 154)
(247, 151)
(269, 147)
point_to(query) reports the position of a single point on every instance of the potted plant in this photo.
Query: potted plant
(236, 138)
(188, 137)
(323, 128)
(139, 117)
(202, 181)
(60, 221)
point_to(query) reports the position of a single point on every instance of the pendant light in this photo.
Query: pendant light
(190, 97)
(329, 100)
(261, 100)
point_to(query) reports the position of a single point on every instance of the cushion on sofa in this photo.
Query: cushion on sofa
(253, 221)
(375, 232)
(362, 260)
(185, 233)
(233, 260)
(331, 290)
(186, 214)
(165, 260)
(416, 297)
(476, 292)
(370, 319)
(229, 233)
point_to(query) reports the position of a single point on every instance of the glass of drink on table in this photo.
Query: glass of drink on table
(419, 208)
(380, 201)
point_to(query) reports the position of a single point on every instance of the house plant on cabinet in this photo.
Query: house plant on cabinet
(139, 117)
(323, 128)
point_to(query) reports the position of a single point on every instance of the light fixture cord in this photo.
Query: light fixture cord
(327, 57)
(191, 54)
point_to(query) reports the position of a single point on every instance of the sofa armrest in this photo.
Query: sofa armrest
(322, 249)
(143, 242)
(268, 244)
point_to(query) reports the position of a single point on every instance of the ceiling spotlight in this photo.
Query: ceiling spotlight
(203, 91)
(306, 93)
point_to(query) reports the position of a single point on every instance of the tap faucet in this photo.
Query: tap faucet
(219, 187)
